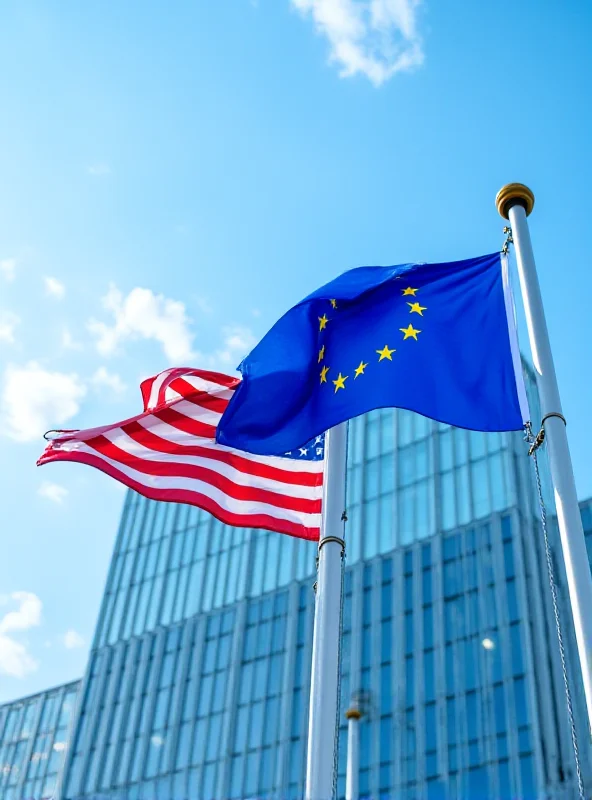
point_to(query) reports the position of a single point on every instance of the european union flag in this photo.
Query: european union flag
(438, 339)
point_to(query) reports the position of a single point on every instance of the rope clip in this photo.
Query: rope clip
(509, 240)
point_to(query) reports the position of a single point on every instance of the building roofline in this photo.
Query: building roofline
(38, 694)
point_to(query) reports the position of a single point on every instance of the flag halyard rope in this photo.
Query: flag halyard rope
(535, 442)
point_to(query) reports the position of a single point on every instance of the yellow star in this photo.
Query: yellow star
(322, 353)
(417, 308)
(340, 382)
(409, 332)
(360, 369)
(410, 291)
(324, 372)
(385, 353)
(333, 303)
(323, 322)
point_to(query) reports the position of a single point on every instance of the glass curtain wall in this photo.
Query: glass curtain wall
(34, 737)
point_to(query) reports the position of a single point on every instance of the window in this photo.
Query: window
(272, 714)
(209, 781)
(386, 724)
(427, 585)
(408, 592)
(409, 638)
(386, 600)
(240, 732)
(366, 647)
(275, 673)
(430, 727)
(527, 777)
(409, 681)
(236, 776)
(516, 648)
(428, 627)
(471, 712)
(520, 701)
(385, 686)
(509, 559)
(512, 600)
(499, 708)
(386, 646)
(451, 720)
(428, 664)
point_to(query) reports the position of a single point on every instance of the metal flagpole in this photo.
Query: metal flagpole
(352, 775)
(324, 682)
(515, 202)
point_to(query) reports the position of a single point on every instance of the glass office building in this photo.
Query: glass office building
(198, 679)
(34, 736)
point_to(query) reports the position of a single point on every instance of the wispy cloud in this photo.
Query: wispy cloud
(103, 379)
(72, 639)
(54, 287)
(68, 341)
(15, 659)
(34, 400)
(144, 315)
(99, 169)
(8, 268)
(375, 38)
(8, 323)
(237, 341)
(53, 491)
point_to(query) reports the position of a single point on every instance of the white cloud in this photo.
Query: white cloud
(68, 341)
(53, 491)
(34, 400)
(54, 287)
(15, 659)
(8, 323)
(8, 268)
(237, 343)
(28, 614)
(99, 169)
(72, 639)
(144, 315)
(102, 378)
(376, 38)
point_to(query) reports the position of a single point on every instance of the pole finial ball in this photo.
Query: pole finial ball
(353, 713)
(512, 194)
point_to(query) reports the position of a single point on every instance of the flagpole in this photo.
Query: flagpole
(324, 682)
(515, 202)
(352, 775)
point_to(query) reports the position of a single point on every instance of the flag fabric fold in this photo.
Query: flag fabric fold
(169, 452)
(438, 339)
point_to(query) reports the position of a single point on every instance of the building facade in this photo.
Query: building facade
(198, 678)
(34, 737)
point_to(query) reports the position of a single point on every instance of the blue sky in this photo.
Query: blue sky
(174, 178)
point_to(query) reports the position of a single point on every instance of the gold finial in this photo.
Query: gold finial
(353, 713)
(513, 193)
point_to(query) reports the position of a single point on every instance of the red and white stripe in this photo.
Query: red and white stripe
(169, 452)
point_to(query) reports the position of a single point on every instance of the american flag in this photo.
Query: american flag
(169, 452)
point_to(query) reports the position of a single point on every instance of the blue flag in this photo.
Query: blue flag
(438, 339)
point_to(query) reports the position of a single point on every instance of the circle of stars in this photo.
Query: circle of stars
(384, 354)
